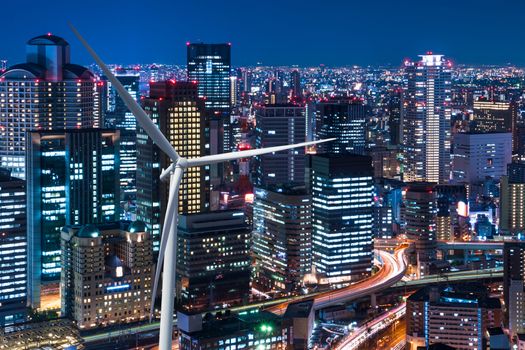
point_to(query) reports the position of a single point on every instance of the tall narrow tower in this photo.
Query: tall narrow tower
(209, 65)
(177, 110)
(426, 120)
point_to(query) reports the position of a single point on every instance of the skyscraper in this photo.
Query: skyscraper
(278, 125)
(13, 249)
(118, 116)
(387, 207)
(342, 194)
(394, 105)
(512, 205)
(282, 237)
(344, 120)
(514, 286)
(178, 111)
(209, 65)
(45, 93)
(420, 218)
(213, 260)
(295, 84)
(72, 179)
(426, 120)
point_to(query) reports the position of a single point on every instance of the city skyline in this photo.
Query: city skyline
(272, 184)
(378, 33)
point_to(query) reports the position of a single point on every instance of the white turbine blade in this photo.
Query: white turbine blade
(142, 118)
(224, 157)
(169, 219)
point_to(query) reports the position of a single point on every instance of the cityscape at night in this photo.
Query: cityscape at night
(247, 175)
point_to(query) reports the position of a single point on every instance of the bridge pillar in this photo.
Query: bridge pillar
(373, 300)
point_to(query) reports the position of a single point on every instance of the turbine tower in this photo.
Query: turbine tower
(168, 242)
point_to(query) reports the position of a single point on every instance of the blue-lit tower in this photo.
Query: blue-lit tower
(345, 120)
(118, 116)
(13, 249)
(72, 179)
(342, 198)
(209, 65)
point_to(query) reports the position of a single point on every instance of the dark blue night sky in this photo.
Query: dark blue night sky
(275, 32)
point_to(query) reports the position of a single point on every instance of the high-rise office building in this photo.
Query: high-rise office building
(420, 219)
(282, 237)
(514, 286)
(178, 111)
(342, 219)
(455, 315)
(107, 273)
(295, 84)
(213, 260)
(72, 179)
(209, 65)
(452, 211)
(495, 116)
(13, 249)
(278, 125)
(394, 105)
(45, 93)
(512, 205)
(426, 120)
(386, 162)
(387, 207)
(119, 117)
(516, 172)
(344, 120)
(478, 156)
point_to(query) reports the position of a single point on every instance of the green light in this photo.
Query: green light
(266, 328)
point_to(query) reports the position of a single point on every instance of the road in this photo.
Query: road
(360, 335)
(456, 276)
(396, 334)
(392, 271)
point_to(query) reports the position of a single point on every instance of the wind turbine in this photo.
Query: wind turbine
(168, 242)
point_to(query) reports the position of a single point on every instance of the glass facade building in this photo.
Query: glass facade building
(282, 237)
(342, 198)
(209, 65)
(13, 249)
(344, 120)
(119, 117)
(278, 125)
(73, 179)
(213, 260)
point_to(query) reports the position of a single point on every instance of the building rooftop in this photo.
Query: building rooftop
(88, 231)
(299, 309)
(287, 189)
(223, 325)
(461, 296)
(137, 226)
(48, 39)
(495, 331)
